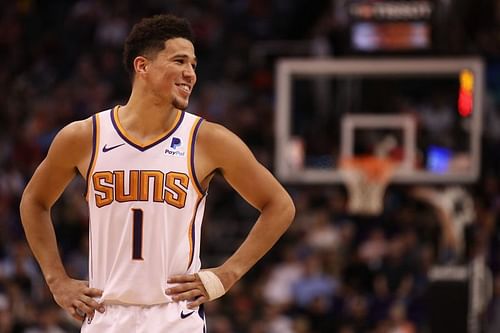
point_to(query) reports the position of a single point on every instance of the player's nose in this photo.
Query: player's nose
(189, 74)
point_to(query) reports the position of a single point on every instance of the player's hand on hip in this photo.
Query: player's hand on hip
(195, 289)
(77, 298)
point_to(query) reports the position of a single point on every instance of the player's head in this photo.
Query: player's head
(160, 50)
(149, 35)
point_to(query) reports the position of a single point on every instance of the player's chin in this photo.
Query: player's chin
(181, 104)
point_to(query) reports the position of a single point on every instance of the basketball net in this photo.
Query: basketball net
(366, 179)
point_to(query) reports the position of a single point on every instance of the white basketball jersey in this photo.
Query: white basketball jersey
(146, 208)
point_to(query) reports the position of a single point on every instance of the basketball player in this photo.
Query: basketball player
(148, 165)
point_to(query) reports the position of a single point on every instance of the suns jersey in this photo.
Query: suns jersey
(146, 208)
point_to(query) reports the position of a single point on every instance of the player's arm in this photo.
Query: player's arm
(66, 156)
(223, 151)
(433, 197)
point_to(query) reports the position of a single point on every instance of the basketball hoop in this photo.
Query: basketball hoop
(366, 178)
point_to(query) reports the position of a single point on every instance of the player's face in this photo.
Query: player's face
(172, 72)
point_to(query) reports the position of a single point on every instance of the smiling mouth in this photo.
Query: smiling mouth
(184, 87)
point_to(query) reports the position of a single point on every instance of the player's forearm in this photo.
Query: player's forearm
(41, 238)
(274, 220)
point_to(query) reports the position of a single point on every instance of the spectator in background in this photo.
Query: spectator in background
(278, 289)
(313, 284)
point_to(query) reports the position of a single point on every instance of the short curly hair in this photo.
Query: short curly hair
(149, 35)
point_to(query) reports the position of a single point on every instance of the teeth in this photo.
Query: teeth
(185, 87)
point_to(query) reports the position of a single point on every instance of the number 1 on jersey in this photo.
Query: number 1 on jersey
(137, 234)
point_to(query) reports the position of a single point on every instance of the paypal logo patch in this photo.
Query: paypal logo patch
(175, 144)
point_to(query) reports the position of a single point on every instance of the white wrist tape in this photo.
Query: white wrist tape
(212, 284)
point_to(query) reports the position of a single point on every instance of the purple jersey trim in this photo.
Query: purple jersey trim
(143, 148)
(92, 157)
(193, 171)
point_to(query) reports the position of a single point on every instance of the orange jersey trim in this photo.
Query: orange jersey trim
(191, 166)
(192, 233)
(138, 143)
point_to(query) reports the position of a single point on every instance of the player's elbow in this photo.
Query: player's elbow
(24, 205)
(291, 208)
(287, 209)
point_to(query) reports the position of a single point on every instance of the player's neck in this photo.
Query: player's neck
(145, 117)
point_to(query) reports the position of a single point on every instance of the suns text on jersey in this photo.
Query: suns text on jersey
(140, 185)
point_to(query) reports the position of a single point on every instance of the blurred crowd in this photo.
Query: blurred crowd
(333, 271)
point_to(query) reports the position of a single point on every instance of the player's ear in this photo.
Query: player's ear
(140, 65)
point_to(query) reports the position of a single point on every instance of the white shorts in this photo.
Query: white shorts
(162, 318)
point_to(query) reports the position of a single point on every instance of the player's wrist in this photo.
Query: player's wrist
(229, 274)
(212, 284)
(55, 279)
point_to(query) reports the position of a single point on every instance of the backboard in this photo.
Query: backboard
(423, 113)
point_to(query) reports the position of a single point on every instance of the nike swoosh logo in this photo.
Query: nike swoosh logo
(106, 148)
(185, 315)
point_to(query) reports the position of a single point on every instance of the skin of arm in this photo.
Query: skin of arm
(448, 239)
(69, 153)
(218, 149)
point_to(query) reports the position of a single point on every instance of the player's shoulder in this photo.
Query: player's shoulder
(77, 131)
(82, 129)
(72, 143)
(213, 131)
(219, 142)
